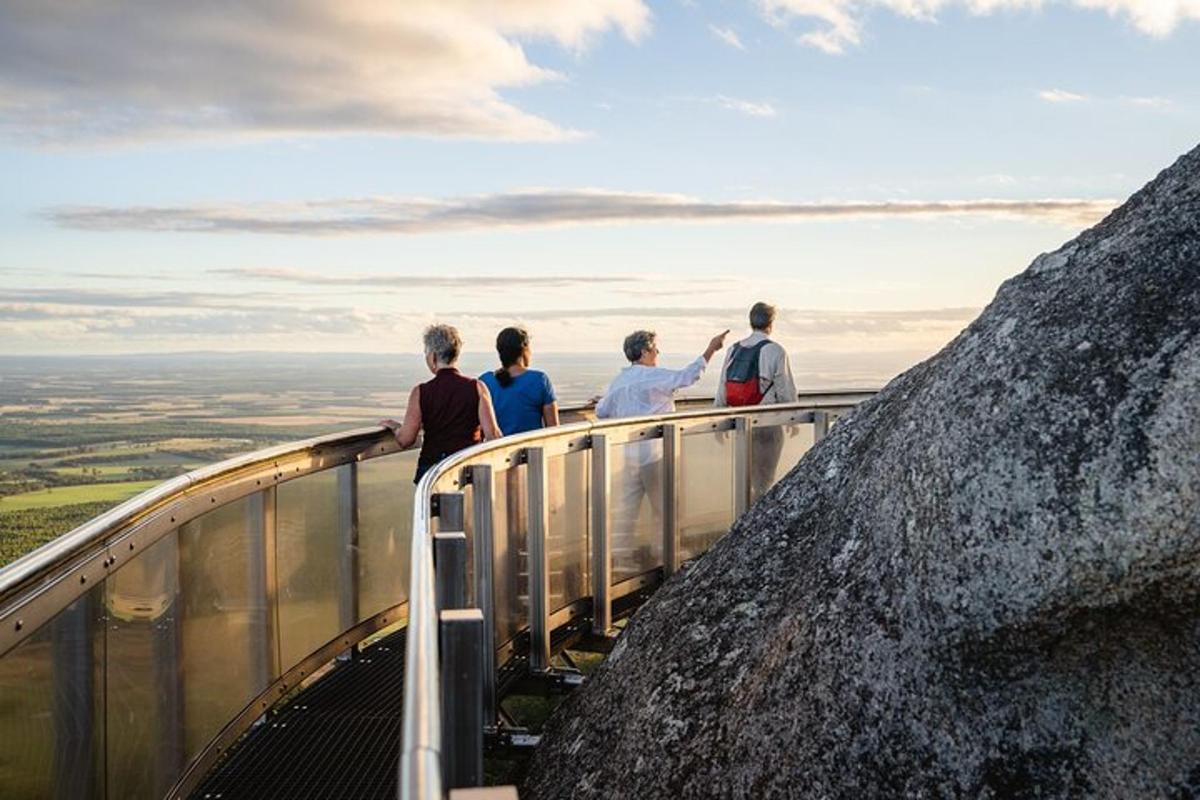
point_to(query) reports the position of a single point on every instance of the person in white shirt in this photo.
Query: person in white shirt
(643, 388)
(774, 384)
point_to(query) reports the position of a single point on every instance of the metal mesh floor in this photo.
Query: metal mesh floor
(340, 738)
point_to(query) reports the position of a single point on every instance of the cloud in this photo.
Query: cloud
(537, 209)
(70, 319)
(123, 70)
(728, 36)
(842, 20)
(1060, 96)
(1150, 102)
(453, 280)
(747, 107)
(56, 298)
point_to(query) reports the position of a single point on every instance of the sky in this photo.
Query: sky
(325, 177)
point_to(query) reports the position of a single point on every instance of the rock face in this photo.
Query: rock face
(984, 583)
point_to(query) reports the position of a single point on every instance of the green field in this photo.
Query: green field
(73, 495)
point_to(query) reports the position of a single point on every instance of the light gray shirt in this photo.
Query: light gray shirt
(639, 390)
(775, 379)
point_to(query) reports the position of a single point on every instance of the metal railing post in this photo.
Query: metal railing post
(450, 582)
(461, 635)
(539, 561)
(820, 425)
(601, 537)
(670, 499)
(450, 510)
(271, 575)
(450, 569)
(347, 489)
(261, 587)
(74, 693)
(743, 463)
(485, 588)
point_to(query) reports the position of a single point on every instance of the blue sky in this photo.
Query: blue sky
(265, 175)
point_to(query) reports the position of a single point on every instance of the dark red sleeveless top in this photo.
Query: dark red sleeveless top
(449, 414)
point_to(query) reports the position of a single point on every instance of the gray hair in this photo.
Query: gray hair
(443, 343)
(762, 316)
(637, 343)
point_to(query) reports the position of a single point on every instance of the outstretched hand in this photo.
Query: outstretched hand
(715, 344)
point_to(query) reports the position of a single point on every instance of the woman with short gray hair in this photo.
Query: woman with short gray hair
(454, 411)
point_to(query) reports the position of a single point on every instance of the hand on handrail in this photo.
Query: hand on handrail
(393, 426)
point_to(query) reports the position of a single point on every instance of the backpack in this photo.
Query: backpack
(742, 378)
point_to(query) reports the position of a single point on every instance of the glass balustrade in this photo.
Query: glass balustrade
(130, 685)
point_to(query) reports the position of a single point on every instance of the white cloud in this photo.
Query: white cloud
(455, 280)
(748, 107)
(1150, 102)
(538, 209)
(841, 21)
(728, 36)
(1060, 96)
(125, 70)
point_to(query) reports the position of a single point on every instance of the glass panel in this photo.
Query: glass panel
(308, 562)
(224, 645)
(385, 500)
(144, 673)
(635, 508)
(510, 555)
(52, 707)
(706, 490)
(777, 448)
(567, 538)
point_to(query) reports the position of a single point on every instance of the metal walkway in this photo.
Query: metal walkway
(339, 738)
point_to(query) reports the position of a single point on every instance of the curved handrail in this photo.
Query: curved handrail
(421, 750)
(43, 583)
(46, 580)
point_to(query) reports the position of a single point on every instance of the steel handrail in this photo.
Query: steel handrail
(421, 749)
(44, 582)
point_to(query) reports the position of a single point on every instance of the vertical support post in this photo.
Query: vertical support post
(539, 561)
(601, 537)
(271, 582)
(485, 587)
(820, 425)
(167, 655)
(670, 505)
(461, 634)
(260, 567)
(743, 463)
(450, 569)
(449, 509)
(450, 566)
(347, 488)
(75, 746)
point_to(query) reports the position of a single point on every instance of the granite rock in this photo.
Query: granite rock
(983, 583)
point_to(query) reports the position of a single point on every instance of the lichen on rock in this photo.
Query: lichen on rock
(985, 582)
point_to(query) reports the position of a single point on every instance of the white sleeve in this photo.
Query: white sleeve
(604, 407)
(679, 378)
(720, 401)
(785, 384)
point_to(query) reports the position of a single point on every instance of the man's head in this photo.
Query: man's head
(640, 348)
(762, 317)
(442, 346)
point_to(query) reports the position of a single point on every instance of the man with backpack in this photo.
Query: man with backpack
(757, 372)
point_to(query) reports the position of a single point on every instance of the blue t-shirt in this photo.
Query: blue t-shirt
(519, 405)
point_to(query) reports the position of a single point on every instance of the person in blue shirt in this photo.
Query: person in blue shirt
(523, 397)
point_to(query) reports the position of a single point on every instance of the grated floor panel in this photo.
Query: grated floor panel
(340, 738)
